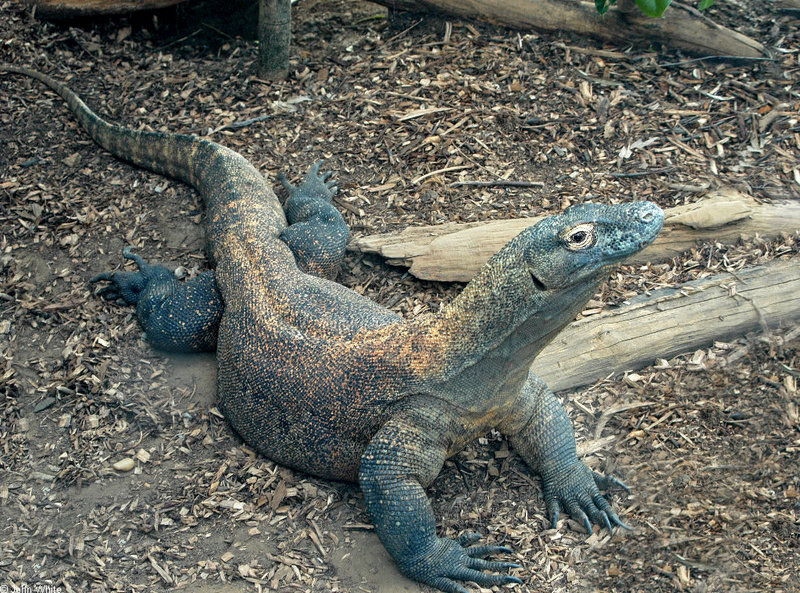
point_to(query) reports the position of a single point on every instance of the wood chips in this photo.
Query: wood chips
(117, 471)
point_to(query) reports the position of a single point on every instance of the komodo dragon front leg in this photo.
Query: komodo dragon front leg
(403, 458)
(540, 431)
(185, 317)
(406, 455)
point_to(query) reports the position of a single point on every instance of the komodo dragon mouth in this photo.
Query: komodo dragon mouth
(536, 282)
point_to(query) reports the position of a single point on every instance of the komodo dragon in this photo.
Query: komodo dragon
(323, 380)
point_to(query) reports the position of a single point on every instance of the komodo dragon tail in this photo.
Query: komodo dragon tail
(169, 154)
(245, 207)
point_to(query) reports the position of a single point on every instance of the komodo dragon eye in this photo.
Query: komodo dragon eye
(579, 237)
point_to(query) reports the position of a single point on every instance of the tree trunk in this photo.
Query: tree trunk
(677, 28)
(274, 37)
(454, 252)
(670, 322)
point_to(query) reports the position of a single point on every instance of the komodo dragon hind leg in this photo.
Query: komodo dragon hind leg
(178, 317)
(317, 234)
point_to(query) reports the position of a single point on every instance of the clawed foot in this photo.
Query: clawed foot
(453, 560)
(577, 491)
(124, 285)
(314, 185)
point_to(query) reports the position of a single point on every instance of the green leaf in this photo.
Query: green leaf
(653, 8)
(602, 6)
(706, 4)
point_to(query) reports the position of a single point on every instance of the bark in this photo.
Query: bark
(454, 252)
(677, 28)
(274, 37)
(670, 322)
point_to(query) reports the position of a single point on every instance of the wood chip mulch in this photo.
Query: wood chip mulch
(117, 471)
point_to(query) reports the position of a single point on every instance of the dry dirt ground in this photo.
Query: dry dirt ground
(710, 446)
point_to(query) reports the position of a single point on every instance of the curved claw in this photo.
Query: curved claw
(577, 513)
(109, 293)
(481, 564)
(128, 253)
(467, 539)
(606, 482)
(552, 512)
(482, 551)
(606, 521)
(101, 277)
(316, 166)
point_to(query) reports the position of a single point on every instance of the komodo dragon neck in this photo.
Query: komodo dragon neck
(490, 334)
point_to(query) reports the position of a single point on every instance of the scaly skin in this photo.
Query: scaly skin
(321, 379)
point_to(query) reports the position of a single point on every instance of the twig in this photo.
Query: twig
(217, 31)
(166, 576)
(373, 17)
(616, 409)
(498, 183)
(177, 41)
(692, 61)
(401, 33)
(241, 124)
(643, 173)
(432, 173)
(592, 51)
(697, 14)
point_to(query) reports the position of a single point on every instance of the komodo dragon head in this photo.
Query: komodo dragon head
(586, 241)
(534, 286)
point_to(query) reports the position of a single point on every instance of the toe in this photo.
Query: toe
(481, 564)
(606, 482)
(468, 538)
(481, 551)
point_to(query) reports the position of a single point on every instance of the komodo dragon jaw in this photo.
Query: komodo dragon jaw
(324, 380)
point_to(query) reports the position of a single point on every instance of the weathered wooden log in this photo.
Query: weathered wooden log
(677, 28)
(76, 8)
(454, 252)
(670, 322)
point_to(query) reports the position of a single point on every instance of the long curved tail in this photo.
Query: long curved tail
(240, 203)
(164, 153)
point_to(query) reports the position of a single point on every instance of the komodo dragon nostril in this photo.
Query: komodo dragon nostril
(649, 213)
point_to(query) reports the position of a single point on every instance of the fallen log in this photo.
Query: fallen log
(454, 252)
(678, 28)
(77, 8)
(670, 322)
